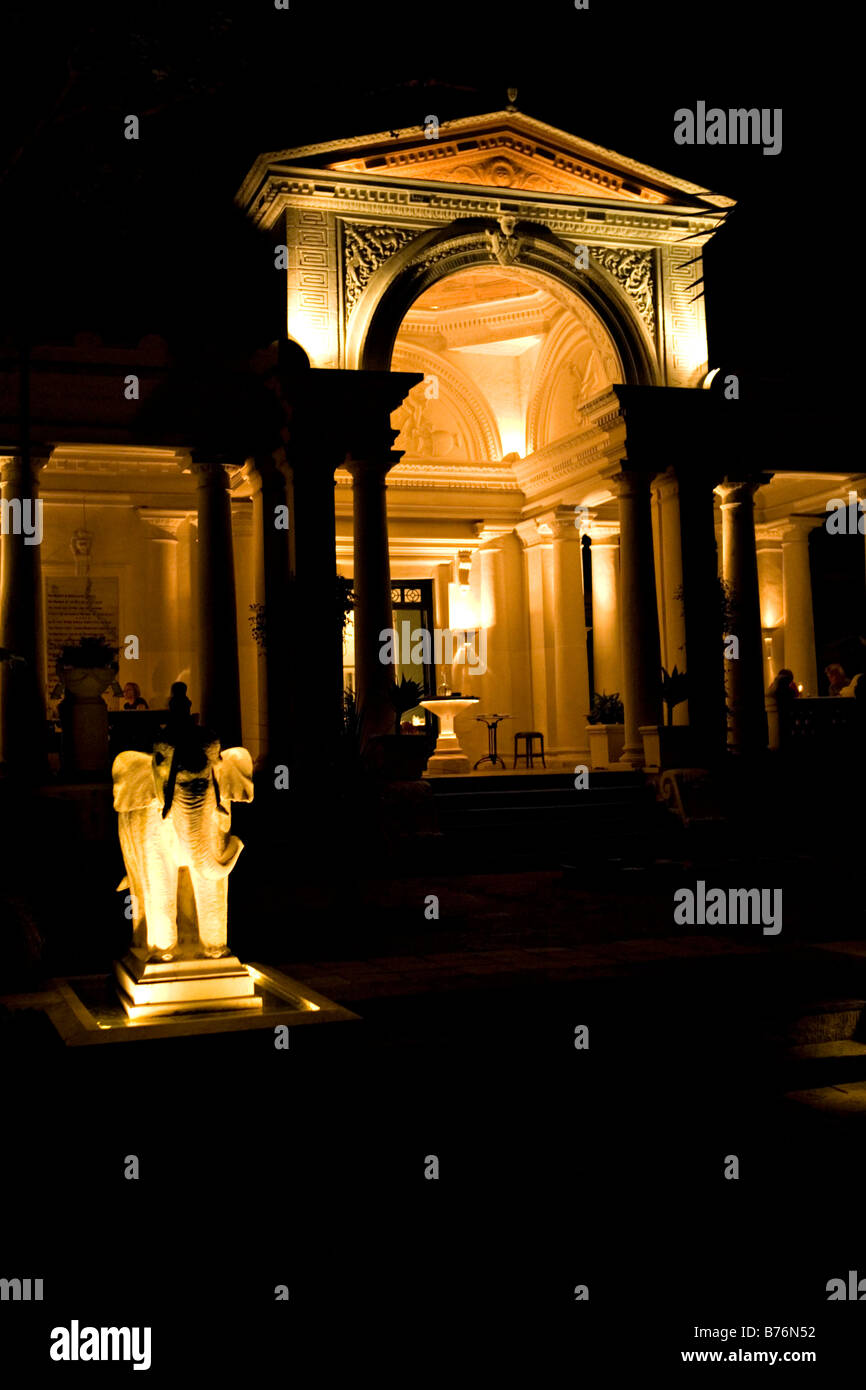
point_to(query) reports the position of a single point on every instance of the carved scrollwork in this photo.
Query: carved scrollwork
(634, 271)
(366, 249)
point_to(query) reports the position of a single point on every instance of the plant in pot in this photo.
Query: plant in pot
(84, 670)
(606, 731)
(671, 745)
(400, 757)
(675, 689)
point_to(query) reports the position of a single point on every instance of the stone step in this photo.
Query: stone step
(820, 1022)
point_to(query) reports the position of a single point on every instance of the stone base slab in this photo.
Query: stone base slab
(447, 765)
(148, 989)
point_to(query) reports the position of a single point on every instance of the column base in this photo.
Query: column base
(447, 765)
(148, 990)
(633, 756)
(566, 759)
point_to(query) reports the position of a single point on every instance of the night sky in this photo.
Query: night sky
(125, 238)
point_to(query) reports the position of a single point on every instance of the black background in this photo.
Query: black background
(314, 1172)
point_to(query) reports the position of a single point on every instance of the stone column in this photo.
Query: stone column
(669, 580)
(701, 611)
(242, 536)
(569, 642)
(606, 654)
(537, 537)
(258, 575)
(772, 594)
(187, 604)
(217, 610)
(744, 685)
(22, 665)
(271, 567)
(159, 654)
(800, 654)
(639, 626)
(372, 582)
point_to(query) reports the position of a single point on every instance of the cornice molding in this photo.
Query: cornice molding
(427, 206)
(524, 132)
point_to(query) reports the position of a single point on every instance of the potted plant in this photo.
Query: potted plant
(670, 745)
(401, 757)
(606, 730)
(84, 670)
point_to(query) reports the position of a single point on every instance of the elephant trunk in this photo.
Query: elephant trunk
(197, 823)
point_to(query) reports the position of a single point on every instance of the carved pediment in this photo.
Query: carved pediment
(501, 160)
(505, 149)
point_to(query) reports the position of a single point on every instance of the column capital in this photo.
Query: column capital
(534, 531)
(625, 481)
(795, 528)
(602, 531)
(372, 466)
(666, 485)
(16, 466)
(559, 523)
(486, 531)
(733, 492)
(164, 525)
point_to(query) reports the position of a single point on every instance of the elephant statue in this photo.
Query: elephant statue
(173, 813)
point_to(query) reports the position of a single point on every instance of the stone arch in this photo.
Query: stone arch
(566, 345)
(468, 242)
(476, 417)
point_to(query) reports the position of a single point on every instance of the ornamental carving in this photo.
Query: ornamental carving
(366, 249)
(634, 271)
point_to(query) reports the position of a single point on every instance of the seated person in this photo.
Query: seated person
(179, 704)
(836, 676)
(132, 696)
(784, 687)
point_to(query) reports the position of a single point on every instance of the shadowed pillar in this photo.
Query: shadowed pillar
(569, 636)
(669, 579)
(218, 633)
(272, 521)
(374, 678)
(799, 618)
(744, 684)
(22, 668)
(701, 613)
(639, 624)
(160, 664)
(606, 654)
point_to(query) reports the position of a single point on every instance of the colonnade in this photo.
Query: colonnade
(663, 595)
(655, 581)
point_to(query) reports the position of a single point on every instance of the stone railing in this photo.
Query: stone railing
(815, 723)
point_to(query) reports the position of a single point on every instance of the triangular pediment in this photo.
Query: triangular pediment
(504, 149)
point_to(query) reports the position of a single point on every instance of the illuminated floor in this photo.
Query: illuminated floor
(86, 1010)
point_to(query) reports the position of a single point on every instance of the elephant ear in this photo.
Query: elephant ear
(234, 773)
(132, 774)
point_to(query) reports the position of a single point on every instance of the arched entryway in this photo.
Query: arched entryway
(528, 248)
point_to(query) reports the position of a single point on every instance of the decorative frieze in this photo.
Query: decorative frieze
(365, 249)
(635, 272)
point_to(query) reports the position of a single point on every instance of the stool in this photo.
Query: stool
(529, 737)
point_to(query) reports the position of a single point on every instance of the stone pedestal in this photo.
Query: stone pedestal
(148, 990)
(448, 759)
